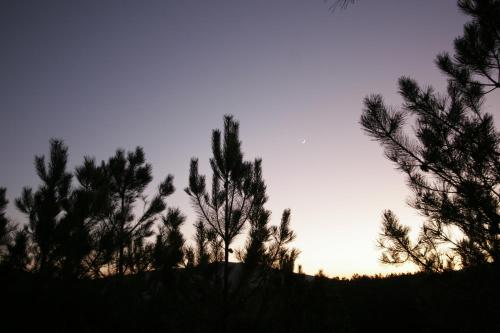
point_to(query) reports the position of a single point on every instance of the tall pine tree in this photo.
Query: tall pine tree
(238, 191)
(452, 164)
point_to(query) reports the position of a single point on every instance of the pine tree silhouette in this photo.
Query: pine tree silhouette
(91, 245)
(169, 248)
(46, 207)
(453, 165)
(202, 244)
(127, 176)
(238, 191)
(7, 228)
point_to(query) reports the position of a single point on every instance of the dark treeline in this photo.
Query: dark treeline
(452, 301)
(101, 232)
(96, 254)
(104, 225)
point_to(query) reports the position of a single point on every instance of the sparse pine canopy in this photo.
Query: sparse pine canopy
(268, 246)
(46, 207)
(452, 159)
(169, 248)
(13, 242)
(281, 256)
(202, 255)
(237, 197)
(474, 68)
(89, 230)
(127, 176)
(89, 245)
(238, 190)
(6, 226)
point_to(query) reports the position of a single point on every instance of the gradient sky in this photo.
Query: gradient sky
(104, 75)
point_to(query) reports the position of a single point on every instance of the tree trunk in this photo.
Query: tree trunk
(120, 260)
(43, 262)
(225, 285)
(120, 240)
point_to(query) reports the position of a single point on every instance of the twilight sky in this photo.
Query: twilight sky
(161, 74)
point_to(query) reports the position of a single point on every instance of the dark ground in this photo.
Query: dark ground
(190, 301)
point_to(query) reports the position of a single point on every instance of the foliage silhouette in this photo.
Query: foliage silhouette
(88, 211)
(46, 208)
(77, 292)
(202, 244)
(6, 227)
(13, 242)
(237, 198)
(87, 236)
(238, 191)
(169, 248)
(335, 4)
(126, 178)
(452, 161)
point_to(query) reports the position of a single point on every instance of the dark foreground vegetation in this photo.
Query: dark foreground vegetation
(454, 301)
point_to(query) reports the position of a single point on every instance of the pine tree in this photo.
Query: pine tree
(169, 248)
(267, 246)
(18, 254)
(79, 223)
(6, 226)
(452, 164)
(90, 243)
(47, 206)
(255, 252)
(238, 190)
(57, 236)
(202, 243)
(127, 176)
(282, 257)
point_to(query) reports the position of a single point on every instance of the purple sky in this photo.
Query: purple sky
(161, 74)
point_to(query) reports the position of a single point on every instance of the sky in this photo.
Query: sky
(111, 74)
